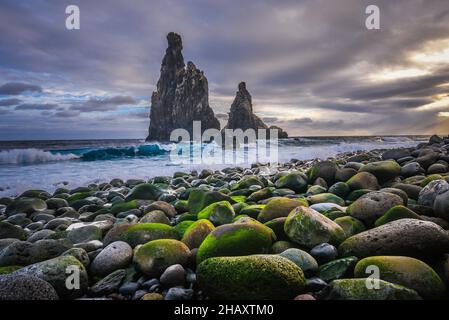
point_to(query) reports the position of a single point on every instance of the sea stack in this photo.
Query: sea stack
(241, 115)
(182, 96)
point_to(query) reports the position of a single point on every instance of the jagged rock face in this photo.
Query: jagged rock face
(242, 117)
(181, 97)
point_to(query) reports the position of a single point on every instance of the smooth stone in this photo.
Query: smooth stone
(80, 254)
(155, 216)
(25, 205)
(116, 255)
(324, 252)
(363, 180)
(152, 297)
(173, 276)
(84, 234)
(179, 294)
(338, 269)
(315, 284)
(411, 169)
(309, 228)
(128, 288)
(441, 206)
(9, 230)
(302, 259)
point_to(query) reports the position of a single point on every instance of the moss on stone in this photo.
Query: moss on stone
(197, 232)
(350, 225)
(218, 213)
(408, 272)
(279, 207)
(182, 226)
(396, 213)
(250, 277)
(236, 240)
(325, 198)
(143, 232)
(124, 206)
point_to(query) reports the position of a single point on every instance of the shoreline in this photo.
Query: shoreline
(307, 229)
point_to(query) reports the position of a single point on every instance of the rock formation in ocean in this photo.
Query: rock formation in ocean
(182, 96)
(241, 115)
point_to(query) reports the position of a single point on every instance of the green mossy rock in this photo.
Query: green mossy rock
(279, 207)
(363, 180)
(155, 256)
(315, 189)
(309, 228)
(334, 214)
(25, 205)
(302, 259)
(277, 225)
(340, 189)
(155, 216)
(261, 195)
(78, 196)
(350, 225)
(182, 226)
(238, 199)
(11, 231)
(396, 213)
(408, 272)
(124, 206)
(338, 269)
(143, 232)
(357, 289)
(253, 277)
(197, 232)
(218, 213)
(144, 191)
(252, 210)
(247, 182)
(237, 239)
(325, 170)
(186, 217)
(296, 181)
(200, 199)
(383, 170)
(325, 198)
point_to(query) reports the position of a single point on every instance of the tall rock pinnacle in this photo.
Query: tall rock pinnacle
(181, 97)
(241, 115)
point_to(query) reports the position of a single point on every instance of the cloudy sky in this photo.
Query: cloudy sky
(311, 66)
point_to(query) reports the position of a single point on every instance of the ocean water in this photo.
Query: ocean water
(51, 164)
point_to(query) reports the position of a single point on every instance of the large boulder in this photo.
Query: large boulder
(237, 239)
(200, 199)
(408, 272)
(253, 277)
(407, 237)
(308, 228)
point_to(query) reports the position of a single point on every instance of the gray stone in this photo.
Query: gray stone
(84, 234)
(54, 271)
(108, 284)
(173, 276)
(428, 194)
(116, 255)
(8, 230)
(22, 287)
(179, 294)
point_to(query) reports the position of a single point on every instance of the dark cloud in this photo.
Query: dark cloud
(16, 88)
(310, 60)
(9, 102)
(36, 106)
(106, 104)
